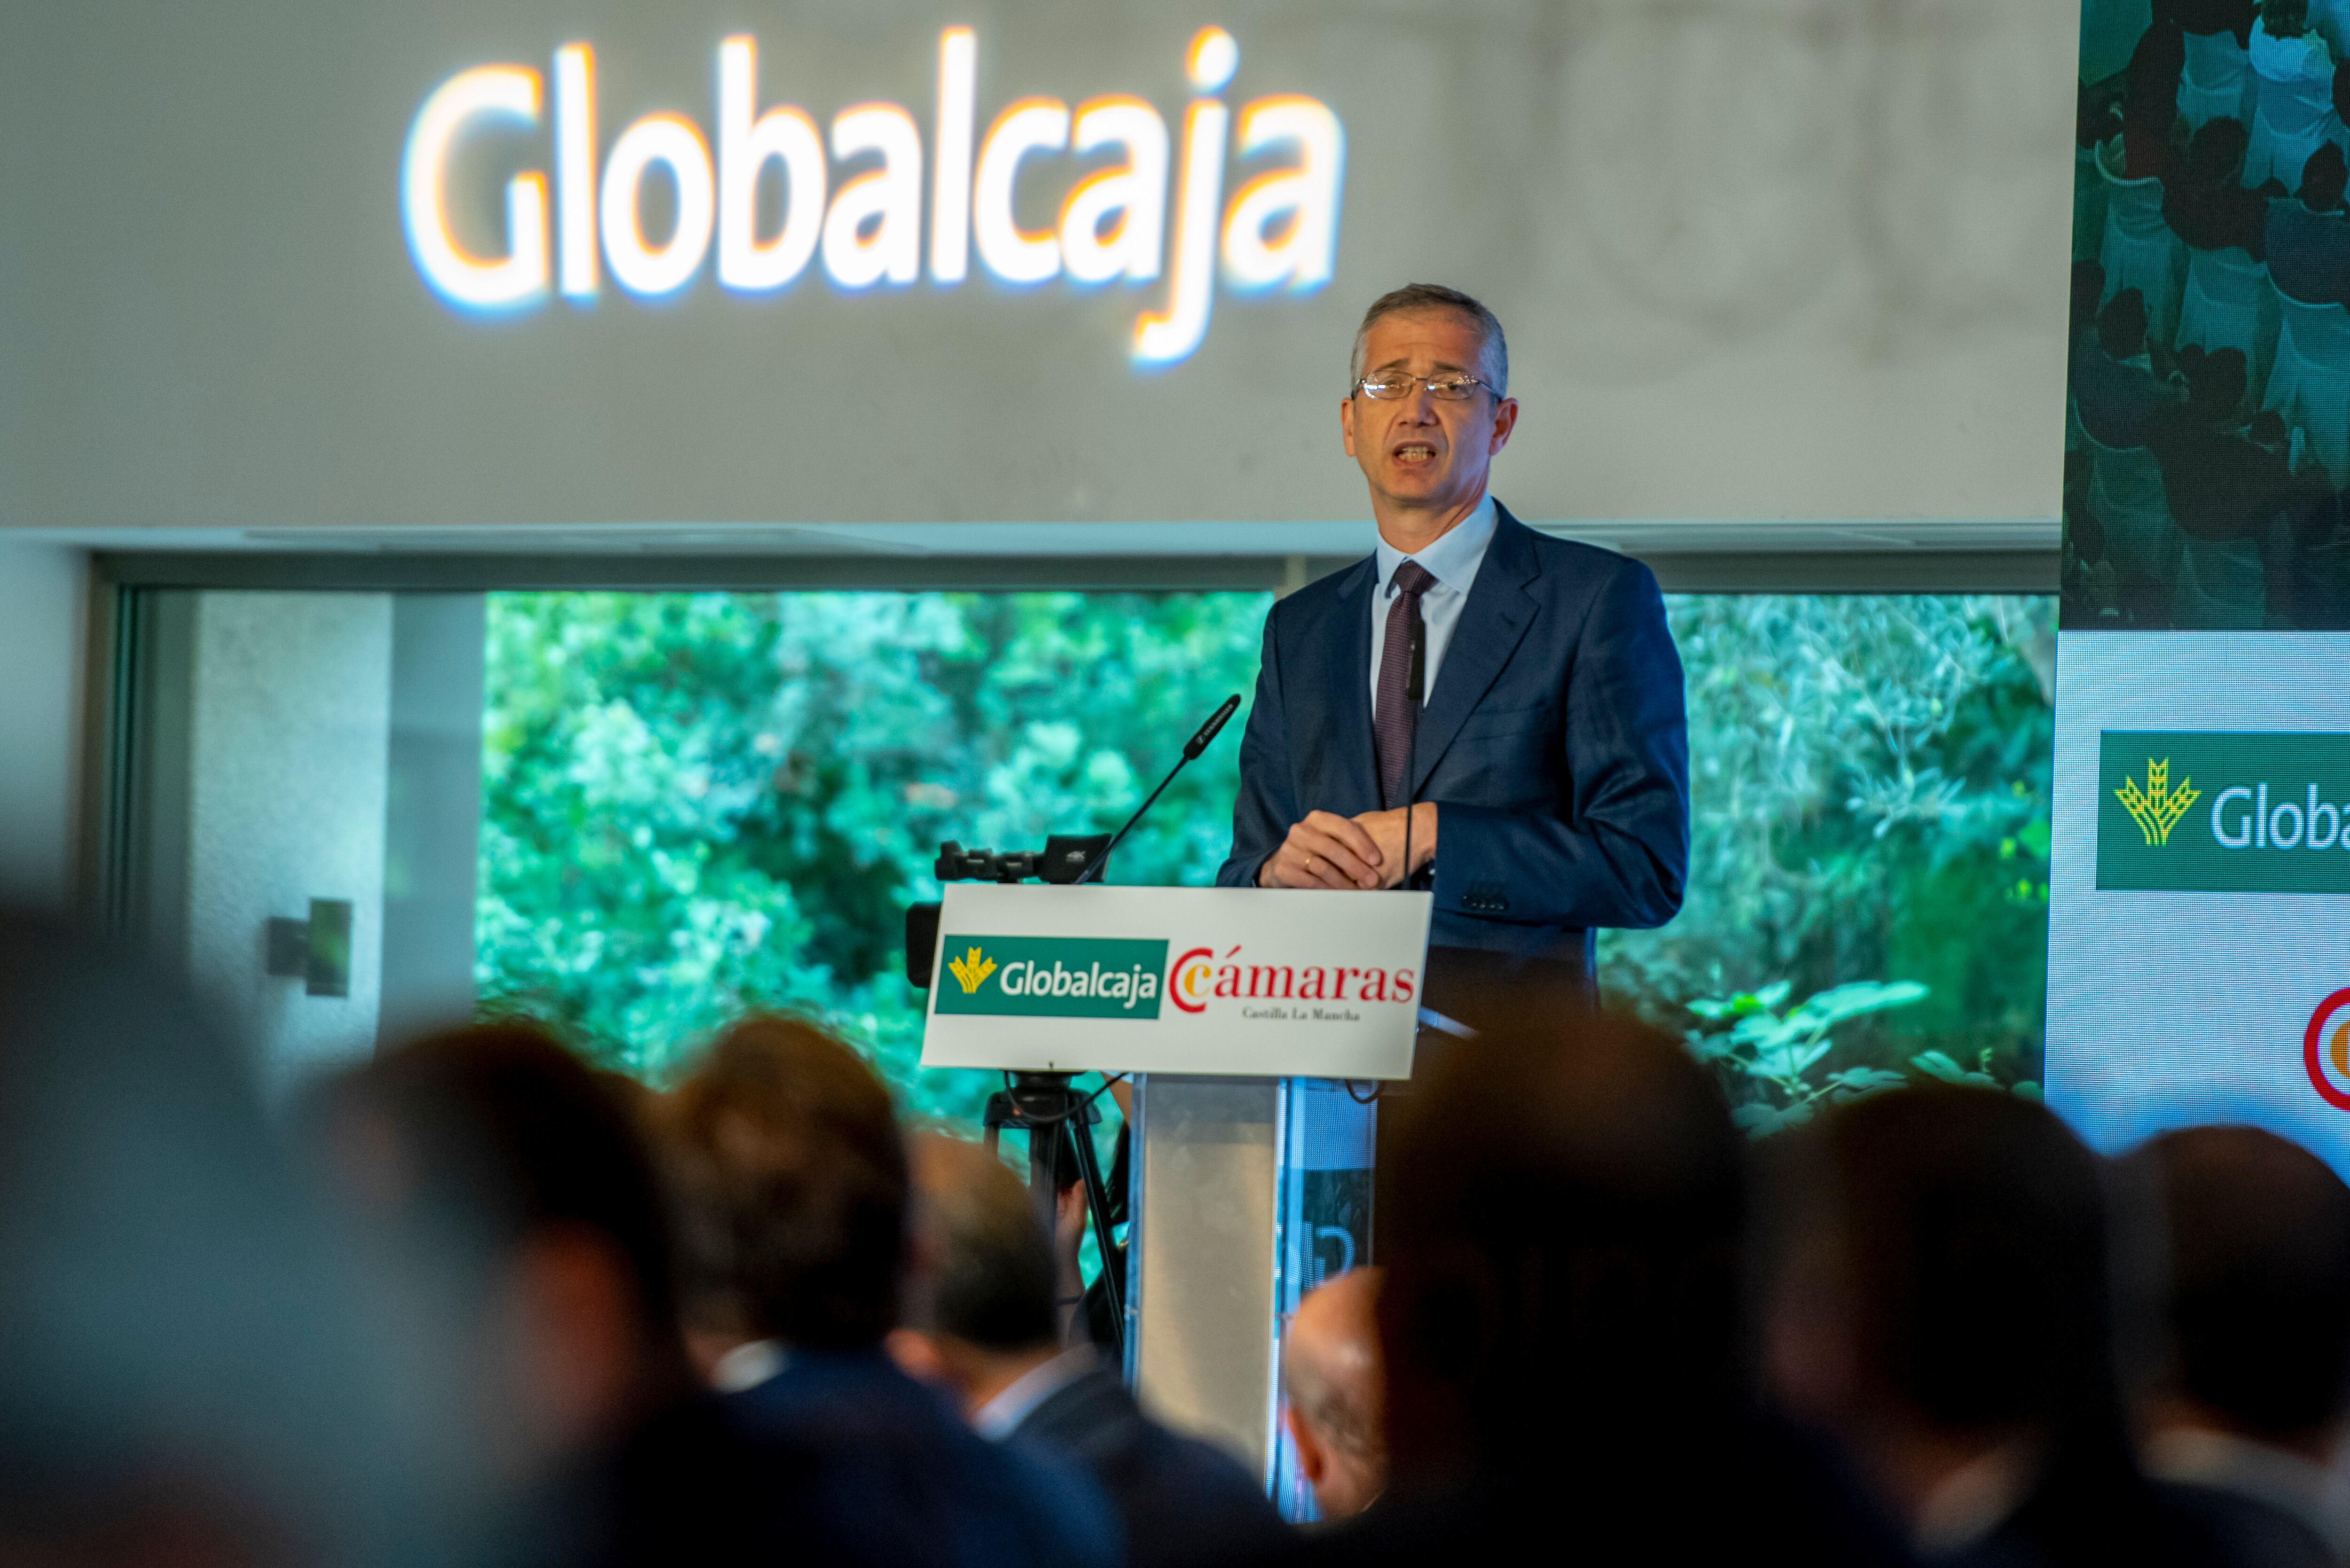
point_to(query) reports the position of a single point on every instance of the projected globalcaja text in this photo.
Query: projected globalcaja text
(1158, 211)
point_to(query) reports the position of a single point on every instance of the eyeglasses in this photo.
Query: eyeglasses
(1389, 385)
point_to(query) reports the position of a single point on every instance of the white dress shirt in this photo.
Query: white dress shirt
(747, 1366)
(2299, 1487)
(1001, 1416)
(1452, 561)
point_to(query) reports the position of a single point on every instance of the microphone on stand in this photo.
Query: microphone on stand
(1415, 688)
(1192, 749)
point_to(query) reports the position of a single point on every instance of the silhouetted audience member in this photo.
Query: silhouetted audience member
(2207, 16)
(796, 1143)
(2309, 235)
(2248, 1417)
(1336, 1393)
(1943, 1306)
(1562, 1216)
(498, 1166)
(2293, 113)
(2223, 483)
(2150, 99)
(983, 1323)
(2115, 388)
(189, 1372)
(2088, 289)
(2201, 201)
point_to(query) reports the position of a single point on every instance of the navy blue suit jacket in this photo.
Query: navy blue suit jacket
(1183, 1502)
(1554, 742)
(884, 1475)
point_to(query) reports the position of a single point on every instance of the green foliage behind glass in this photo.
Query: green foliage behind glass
(700, 804)
(1870, 803)
(697, 804)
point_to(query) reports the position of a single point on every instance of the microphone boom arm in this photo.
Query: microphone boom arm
(1191, 749)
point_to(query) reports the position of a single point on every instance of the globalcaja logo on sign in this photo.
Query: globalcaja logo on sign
(2221, 812)
(1051, 977)
(1139, 199)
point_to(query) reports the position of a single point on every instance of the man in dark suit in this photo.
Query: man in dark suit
(1546, 771)
(789, 1137)
(981, 1323)
(2246, 1421)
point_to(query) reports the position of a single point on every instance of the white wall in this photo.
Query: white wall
(42, 597)
(289, 729)
(1760, 260)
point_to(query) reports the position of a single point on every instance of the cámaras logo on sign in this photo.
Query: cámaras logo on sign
(1201, 977)
(2325, 1053)
(1160, 208)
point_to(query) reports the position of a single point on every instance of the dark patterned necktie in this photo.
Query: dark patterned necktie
(1396, 716)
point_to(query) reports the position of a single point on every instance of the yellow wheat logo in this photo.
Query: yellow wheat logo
(2157, 808)
(971, 970)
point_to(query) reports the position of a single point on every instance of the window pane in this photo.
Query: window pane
(696, 804)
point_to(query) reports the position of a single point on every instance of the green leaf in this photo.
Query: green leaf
(1936, 1064)
(1828, 1007)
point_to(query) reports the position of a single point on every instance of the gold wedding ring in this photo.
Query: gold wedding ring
(1309, 863)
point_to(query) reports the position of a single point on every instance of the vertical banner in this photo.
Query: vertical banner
(2198, 965)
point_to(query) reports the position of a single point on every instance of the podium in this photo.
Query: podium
(1257, 1024)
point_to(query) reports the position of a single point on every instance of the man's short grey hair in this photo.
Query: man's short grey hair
(1336, 1407)
(1494, 365)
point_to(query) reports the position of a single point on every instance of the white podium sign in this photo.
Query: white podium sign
(1273, 983)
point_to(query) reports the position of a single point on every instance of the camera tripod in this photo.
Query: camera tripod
(1056, 1118)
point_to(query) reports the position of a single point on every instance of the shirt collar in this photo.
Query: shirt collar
(1001, 1416)
(747, 1366)
(1454, 558)
(1975, 1499)
(2306, 1490)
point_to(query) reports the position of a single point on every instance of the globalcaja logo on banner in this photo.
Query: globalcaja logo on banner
(2221, 812)
(1051, 977)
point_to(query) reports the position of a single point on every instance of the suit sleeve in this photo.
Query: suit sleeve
(1615, 851)
(1263, 811)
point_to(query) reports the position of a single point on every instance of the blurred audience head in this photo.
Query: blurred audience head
(979, 1303)
(2259, 1302)
(1331, 1375)
(2215, 154)
(2121, 324)
(2215, 384)
(189, 1372)
(2285, 18)
(2323, 179)
(1942, 1297)
(1561, 1210)
(789, 1140)
(499, 1159)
